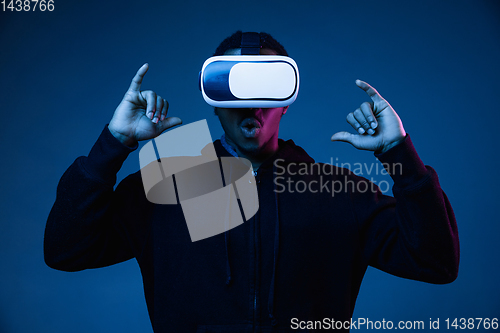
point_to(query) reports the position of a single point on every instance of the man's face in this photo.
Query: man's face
(252, 131)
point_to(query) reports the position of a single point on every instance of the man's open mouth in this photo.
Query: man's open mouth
(250, 127)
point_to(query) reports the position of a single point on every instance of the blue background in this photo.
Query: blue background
(64, 72)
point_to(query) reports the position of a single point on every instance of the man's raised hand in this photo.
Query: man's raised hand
(141, 115)
(377, 123)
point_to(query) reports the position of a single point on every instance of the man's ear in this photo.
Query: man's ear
(285, 109)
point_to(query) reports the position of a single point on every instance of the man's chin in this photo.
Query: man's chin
(250, 148)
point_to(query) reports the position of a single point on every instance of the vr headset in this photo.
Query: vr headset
(249, 80)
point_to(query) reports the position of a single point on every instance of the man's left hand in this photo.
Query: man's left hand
(377, 123)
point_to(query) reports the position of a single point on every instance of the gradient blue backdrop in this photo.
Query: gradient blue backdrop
(64, 72)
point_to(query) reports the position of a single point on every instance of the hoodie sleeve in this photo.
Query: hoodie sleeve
(413, 235)
(82, 229)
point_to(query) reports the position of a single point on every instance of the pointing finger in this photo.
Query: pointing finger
(372, 92)
(135, 85)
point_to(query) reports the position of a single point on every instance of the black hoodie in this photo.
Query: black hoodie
(303, 255)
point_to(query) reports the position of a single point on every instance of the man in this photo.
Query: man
(300, 259)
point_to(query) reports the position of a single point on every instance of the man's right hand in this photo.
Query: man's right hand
(141, 115)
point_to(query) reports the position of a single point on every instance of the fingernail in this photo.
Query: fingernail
(371, 132)
(373, 125)
(361, 130)
(155, 120)
(162, 117)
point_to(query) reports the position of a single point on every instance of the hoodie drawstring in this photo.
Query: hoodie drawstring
(270, 305)
(226, 233)
(228, 267)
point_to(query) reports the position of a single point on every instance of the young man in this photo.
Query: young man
(300, 258)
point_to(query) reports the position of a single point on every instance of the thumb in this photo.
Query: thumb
(168, 123)
(344, 137)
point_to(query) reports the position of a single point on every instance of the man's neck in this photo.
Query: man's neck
(256, 158)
